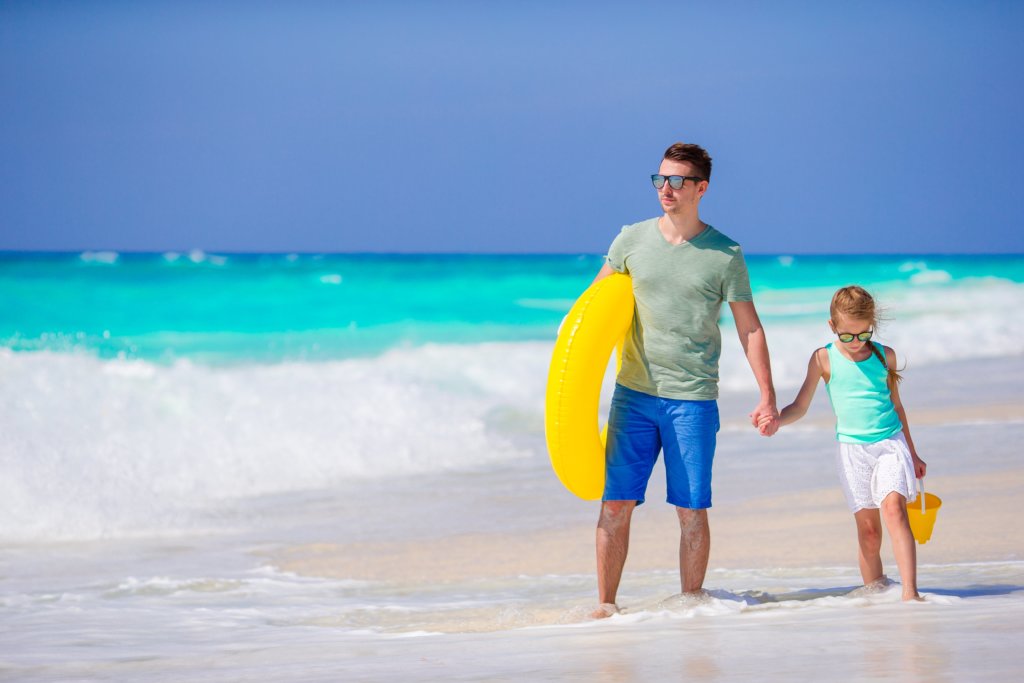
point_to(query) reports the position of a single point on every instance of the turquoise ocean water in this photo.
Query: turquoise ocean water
(241, 308)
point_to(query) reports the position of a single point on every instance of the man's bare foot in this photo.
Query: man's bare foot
(913, 598)
(604, 610)
(685, 600)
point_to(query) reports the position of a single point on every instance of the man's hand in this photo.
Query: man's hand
(765, 418)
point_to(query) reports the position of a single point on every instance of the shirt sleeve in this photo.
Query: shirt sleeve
(616, 256)
(736, 285)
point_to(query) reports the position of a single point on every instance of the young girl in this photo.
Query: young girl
(877, 459)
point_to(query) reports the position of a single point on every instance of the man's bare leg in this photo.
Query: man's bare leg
(612, 547)
(694, 548)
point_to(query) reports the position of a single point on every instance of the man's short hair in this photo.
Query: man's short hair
(694, 154)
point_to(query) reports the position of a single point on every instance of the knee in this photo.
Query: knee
(894, 508)
(691, 519)
(615, 513)
(870, 538)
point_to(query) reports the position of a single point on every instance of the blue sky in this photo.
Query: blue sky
(507, 127)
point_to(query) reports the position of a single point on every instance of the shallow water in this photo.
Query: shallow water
(191, 612)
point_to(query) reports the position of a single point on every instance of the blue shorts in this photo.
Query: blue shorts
(640, 426)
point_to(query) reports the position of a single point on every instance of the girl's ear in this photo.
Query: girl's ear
(831, 325)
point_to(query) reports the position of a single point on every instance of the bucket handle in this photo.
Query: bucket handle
(920, 485)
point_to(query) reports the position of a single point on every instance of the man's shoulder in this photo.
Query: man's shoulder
(632, 235)
(720, 240)
(638, 227)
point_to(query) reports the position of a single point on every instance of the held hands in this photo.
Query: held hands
(767, 425)
(766, 419)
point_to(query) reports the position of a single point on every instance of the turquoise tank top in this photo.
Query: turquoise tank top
(861, 399)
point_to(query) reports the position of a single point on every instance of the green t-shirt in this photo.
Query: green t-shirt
(673, 347)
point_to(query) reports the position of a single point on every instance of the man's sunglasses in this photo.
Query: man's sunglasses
(674, 181)
(847, 337)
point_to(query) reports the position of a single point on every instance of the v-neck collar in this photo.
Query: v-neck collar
(661, 236)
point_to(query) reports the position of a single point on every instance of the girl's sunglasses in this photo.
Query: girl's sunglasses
(847, 337)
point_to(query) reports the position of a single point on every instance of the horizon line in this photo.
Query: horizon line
(300, 253)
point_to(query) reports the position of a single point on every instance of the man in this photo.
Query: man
(682, 269)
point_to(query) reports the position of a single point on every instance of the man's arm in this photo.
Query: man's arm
(605, 271)
(755, 346)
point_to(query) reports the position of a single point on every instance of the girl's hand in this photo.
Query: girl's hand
(920, 467)
(764, 425)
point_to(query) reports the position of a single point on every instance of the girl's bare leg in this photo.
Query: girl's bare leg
(894, 511)
(869, 540)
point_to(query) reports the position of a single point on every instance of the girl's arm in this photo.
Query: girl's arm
(920, 466)
(798, 408)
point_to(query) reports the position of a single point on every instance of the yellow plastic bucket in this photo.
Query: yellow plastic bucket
(923, 521)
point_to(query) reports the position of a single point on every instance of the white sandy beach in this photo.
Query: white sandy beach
(487, 574)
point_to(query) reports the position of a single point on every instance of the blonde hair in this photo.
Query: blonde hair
(855, 302)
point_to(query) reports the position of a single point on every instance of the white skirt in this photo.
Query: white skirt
(868, 472)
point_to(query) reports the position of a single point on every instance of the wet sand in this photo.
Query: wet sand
(807, 528)
(812, 528)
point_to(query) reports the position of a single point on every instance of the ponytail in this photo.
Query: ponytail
(892, 378)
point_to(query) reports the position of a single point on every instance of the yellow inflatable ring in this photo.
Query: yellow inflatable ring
(596, 325)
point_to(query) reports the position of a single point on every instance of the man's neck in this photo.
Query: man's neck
(680, 228)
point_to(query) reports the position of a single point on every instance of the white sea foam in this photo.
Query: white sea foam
(927, 323)
(199, 256)
(930, 277)
(103, 257)
(911, 266)
(758, 624)
(96, 448)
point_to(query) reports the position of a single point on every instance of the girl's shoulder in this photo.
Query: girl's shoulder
(820, 358)
(890, 354)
